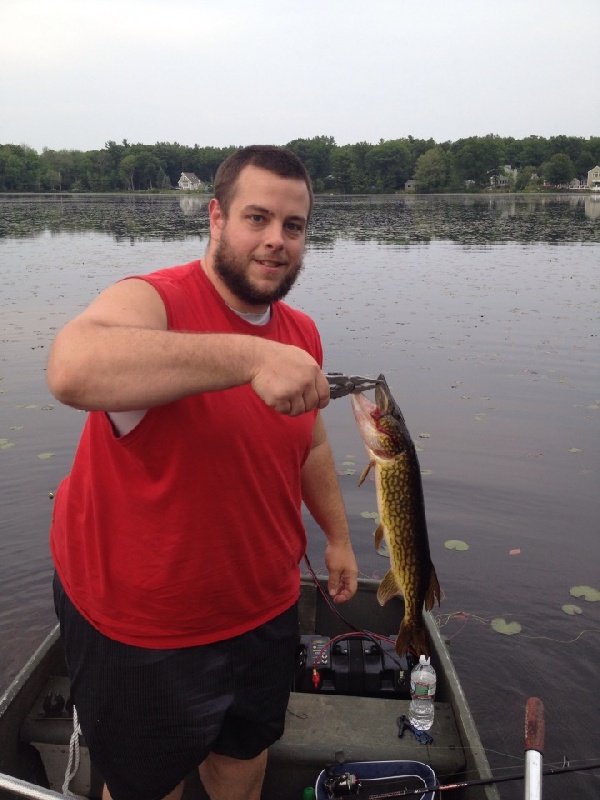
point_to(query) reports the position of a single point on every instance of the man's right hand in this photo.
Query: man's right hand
(288, 378)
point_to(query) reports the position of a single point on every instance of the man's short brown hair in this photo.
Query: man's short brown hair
(279, 160)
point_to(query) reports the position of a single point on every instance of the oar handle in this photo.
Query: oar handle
(534, 725)
(534, 747)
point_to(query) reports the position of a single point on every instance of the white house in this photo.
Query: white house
(189, 181)
(593, 180)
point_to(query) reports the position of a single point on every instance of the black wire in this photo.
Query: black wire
(367, 634)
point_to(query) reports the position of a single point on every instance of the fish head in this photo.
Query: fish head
(381, 424)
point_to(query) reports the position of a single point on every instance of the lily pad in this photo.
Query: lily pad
(507, 628)
(5, 444)
(574, 450)
(370, 515)
(44, 456)
(587, 592)
(456, 544)
(571, 609)
(426, 472)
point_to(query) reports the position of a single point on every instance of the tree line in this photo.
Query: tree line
(360, 168)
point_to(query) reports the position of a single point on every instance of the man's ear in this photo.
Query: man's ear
(216, 218)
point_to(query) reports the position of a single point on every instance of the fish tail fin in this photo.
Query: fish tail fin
(433, 590)
(388, 588)
(413, 636)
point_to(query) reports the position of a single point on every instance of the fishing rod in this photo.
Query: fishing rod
(448, 787)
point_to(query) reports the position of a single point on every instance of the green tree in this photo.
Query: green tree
(433, 170)
(389, 165)
(477, 157)
(19, 168)
(534, 151)
(344, 170)
(127, 171)
(559, 169)
(316, 155)
(525, 179)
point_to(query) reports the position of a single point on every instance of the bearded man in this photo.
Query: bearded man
(178, 533)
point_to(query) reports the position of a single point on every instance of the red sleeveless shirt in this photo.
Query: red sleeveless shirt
(188, 529)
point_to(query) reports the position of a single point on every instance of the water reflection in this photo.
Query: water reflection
(402, 220)
(592, 207)
(190, 206)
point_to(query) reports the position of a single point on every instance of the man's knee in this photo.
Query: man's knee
(174, 795)
(226, 778)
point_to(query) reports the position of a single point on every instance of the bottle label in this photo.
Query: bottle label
(422, 690)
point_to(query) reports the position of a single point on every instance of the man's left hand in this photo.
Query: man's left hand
(343, 571)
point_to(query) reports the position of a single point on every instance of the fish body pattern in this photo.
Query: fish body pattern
(401, 508)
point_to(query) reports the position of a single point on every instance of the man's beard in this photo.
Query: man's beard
(232, 271)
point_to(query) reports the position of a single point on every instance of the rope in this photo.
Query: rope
(74, 758)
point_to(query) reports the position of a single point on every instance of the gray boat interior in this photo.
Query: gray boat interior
(321, 728)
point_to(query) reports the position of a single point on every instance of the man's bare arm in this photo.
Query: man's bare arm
(323, 498)
(118, 355)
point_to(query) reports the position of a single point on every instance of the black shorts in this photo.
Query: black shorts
(150, 717)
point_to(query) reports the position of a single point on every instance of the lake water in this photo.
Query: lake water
(483, 314)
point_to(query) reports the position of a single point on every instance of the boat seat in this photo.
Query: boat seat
(51, 736)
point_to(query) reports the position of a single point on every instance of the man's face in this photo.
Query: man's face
(257, 249)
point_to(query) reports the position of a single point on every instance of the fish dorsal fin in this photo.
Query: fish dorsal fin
(388, 588)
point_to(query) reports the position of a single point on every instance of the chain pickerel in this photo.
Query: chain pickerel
(401, 511)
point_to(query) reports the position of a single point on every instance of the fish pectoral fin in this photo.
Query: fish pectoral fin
(365, 472)
(388, 588)
(433, 591)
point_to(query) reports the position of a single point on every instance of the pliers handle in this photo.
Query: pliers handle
(343, 385)
(404, 725)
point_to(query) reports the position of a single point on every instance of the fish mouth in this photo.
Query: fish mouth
(383, 397)
(381, 424)
(365, 411)
(367, 415)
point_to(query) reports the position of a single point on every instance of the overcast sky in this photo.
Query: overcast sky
(76, 73)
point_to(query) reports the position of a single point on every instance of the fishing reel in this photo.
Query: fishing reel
(341, 786)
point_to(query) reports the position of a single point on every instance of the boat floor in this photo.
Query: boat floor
(320, 729)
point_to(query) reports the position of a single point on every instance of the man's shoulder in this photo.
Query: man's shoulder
(175, 274)
(290, 313)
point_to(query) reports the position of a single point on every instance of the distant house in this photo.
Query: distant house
(593, 179)
(191, 182)
(502, 179)
(410, 186)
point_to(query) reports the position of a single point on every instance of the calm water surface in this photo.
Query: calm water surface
(483, 313)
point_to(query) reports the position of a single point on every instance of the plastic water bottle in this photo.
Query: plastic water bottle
(422, 693)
